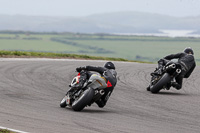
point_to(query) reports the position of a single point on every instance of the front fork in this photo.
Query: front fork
(70, 96)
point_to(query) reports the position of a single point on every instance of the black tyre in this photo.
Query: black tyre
(162, 82)
(63, 103)
(83, 100)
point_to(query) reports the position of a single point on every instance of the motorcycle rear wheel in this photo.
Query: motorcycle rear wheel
(85, 99)
(162, 82)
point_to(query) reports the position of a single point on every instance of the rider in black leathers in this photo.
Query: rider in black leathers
(187, 62)
(108, 72)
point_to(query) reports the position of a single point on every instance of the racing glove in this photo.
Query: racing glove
(79, 69)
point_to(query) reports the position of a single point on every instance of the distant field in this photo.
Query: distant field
(139, 48)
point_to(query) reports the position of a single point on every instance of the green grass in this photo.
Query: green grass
(4, 53)
(150, 49)
(140, 48)
(5, 131)
(45, 44)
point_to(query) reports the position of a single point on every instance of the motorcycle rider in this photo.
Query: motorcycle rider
(108, 72)
(187, 62)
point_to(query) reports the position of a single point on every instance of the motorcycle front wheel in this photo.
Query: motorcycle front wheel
(63, 103)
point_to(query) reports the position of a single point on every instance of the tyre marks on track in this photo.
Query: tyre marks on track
(30, 92)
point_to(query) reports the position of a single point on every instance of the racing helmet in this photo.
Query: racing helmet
(188, 50)
(109, 65)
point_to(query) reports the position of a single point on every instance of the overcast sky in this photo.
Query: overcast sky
(88, 7)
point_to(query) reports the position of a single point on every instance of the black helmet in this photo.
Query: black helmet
(188, 50)
(109, 65)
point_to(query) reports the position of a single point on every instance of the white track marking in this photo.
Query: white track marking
(43, 59)
(50, 59)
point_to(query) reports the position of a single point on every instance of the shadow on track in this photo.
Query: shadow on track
(172, 93)
(89, 110)
(95, 111)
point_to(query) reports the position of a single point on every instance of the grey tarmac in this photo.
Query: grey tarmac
(31, 91)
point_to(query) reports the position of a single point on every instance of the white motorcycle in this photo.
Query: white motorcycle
(78, 98)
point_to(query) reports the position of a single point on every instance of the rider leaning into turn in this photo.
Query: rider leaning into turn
(187, 62)
(108, 72)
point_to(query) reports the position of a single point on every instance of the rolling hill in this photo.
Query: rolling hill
(117, 22)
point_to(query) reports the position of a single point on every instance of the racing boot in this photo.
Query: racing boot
(168, 86)
(175, 85)
(100, 103)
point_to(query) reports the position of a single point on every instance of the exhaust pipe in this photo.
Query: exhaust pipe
(178, 71)
(171, 66)
(101, 92)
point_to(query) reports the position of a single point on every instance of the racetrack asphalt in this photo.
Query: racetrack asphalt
(31, 91)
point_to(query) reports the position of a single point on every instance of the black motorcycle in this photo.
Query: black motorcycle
(78, 98)
(162, 79)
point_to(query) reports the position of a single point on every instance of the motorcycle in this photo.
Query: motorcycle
(164, 78)
(78, 98)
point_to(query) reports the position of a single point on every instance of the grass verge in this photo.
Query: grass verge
(6, 131)
(24, 54)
